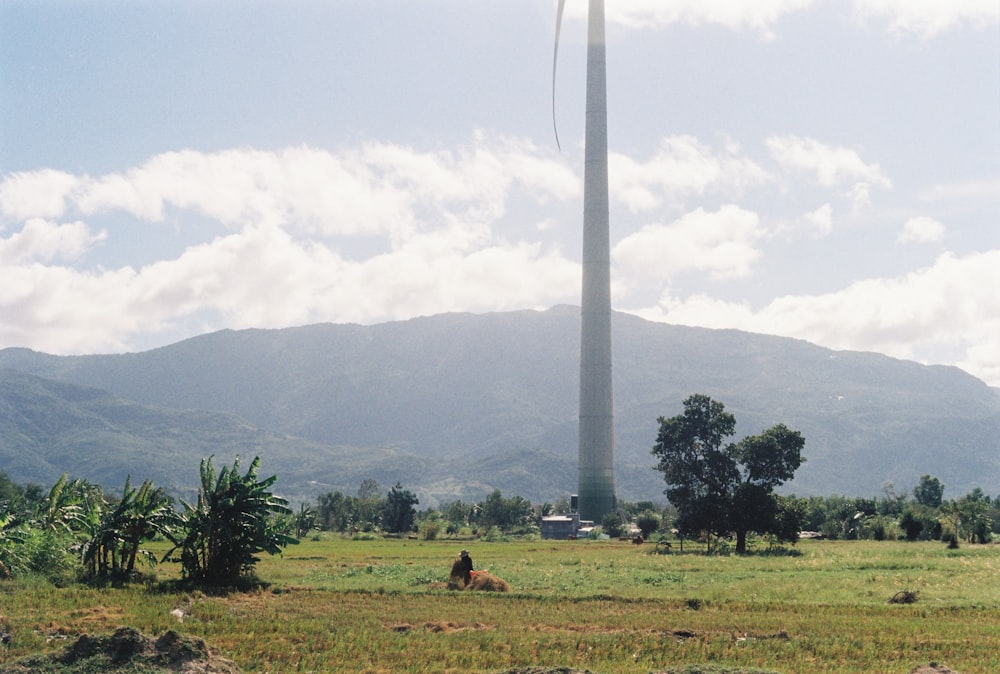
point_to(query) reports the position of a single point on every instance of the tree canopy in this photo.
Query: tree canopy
(398, 511)
(720, 487)
(929, 492)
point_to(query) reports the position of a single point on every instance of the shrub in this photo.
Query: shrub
(230, 523)
(495, 535)
(612, 525)
(430, 528)
(648, 522)
(42, 552)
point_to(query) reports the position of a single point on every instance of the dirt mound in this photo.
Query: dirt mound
(127, 651)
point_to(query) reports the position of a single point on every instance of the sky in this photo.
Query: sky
(827, 170)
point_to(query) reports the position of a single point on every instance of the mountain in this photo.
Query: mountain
(455, 405)
(48, 428)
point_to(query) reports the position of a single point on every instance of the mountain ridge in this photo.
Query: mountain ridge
(490, 401)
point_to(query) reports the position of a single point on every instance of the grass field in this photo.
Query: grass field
(340, 605)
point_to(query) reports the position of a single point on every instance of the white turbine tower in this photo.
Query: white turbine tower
(596, 477)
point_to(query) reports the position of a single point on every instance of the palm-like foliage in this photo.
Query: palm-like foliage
(305, 520)
(117, 530)
(230, 523)
(65, 503)
(11, 538)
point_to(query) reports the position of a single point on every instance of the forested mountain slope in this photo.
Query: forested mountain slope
(458, 404)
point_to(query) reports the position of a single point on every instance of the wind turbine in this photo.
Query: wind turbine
(596, 476)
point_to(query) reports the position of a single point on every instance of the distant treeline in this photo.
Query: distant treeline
(75, 530)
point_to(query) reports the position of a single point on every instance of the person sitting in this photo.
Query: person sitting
(462, 567)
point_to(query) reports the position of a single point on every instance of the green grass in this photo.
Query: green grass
(339, 605)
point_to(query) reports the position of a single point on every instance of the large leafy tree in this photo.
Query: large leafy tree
(398, 512)
(721, 487)
(231, 522)
(504, 513)
(929, 492)
(334, 511)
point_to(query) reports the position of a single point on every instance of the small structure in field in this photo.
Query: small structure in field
(560, 527)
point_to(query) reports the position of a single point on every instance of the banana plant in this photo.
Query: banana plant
(231, 521)
(118, 530)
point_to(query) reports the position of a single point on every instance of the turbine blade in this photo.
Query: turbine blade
(555, 59)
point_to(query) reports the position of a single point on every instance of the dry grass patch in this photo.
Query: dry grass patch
(438, 627)
(603, 607)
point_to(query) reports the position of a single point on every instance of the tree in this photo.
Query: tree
(456, 514)
(61, 508)
(12, 537)
(368, 506)
(911, 523)
(611, 524)
(929, 492)
(974, 516)
(720, 488)
(230, 523)
(305, 520)
(398, 513)
(9, 490)
(506, 514)
(117, 530)
(788, 520)
(334, 511)
(648, 522)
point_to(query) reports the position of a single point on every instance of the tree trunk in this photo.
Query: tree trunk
(741, 542)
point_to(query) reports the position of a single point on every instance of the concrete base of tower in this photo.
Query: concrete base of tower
(596, 502)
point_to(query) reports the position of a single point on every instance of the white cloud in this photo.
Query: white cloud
(815, 224)
(922, 230)
(291, 214)
(833, 167)
(928, 18)
(927, 315)
(375, 189)
(820, 221)
(46, 241)
(759, 16)
(720, 243)
(681, 167)
(699, 310)
(432, 274)
(262, 277)
(981, 358)
(921, 18)
(973, 190)
(40, 194)
(436, 211)
(63, 310)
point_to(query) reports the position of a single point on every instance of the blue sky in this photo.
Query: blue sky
(822, 169)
